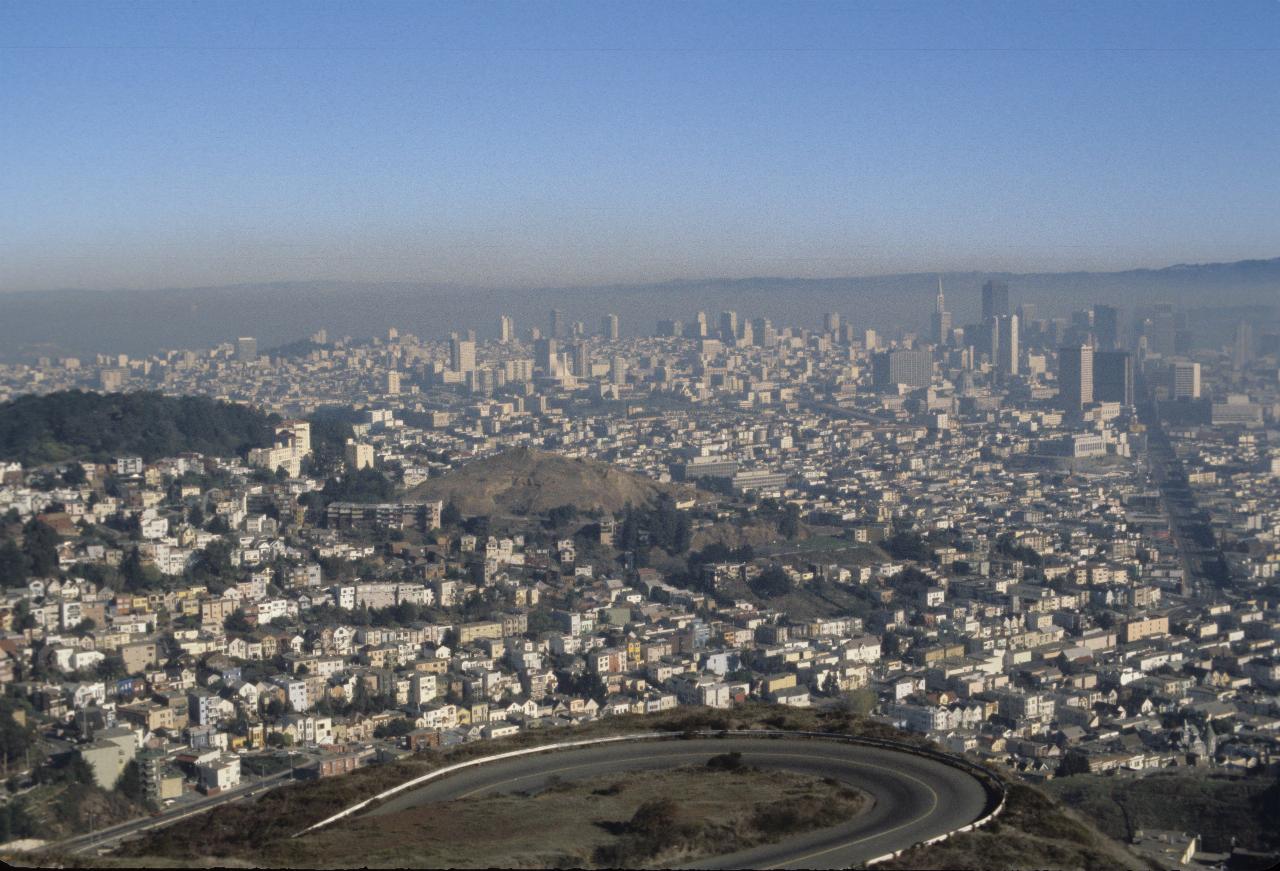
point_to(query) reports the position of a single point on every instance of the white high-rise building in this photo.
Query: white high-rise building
(1184, 380)
(462, 355)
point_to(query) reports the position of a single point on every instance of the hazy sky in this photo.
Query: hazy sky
(168, 143)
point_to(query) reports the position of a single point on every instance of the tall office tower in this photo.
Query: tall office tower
(1162, 332)
(581, 360)
(1106, 327)
(941, 324)
(545, 356)
(1183, 335)
(1026, 312)
(831, 322)
(1184, 380)
(1242, 347)
(1080, 331)
(995, 300)
(246, 349)
(745, 336)
(869, 340)
(728, 327)
(763, 333)
(987, 339)
(393, 335)
(914, 369)
(393, 382)
(670, 329)
(1075, 377)
(609, 327)
(320, 337)
(462, 354)
(700, 326)
(1007, 340)
(618, 370)
(506, 329)
(1113, 377)
(556, 324)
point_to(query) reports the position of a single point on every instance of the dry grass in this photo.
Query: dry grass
(579, 824)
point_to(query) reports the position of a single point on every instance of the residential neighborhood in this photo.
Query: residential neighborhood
(971, 550)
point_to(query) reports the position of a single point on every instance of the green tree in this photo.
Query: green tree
(789, 522)
(394, 728)
(112, 668)
(450, 516)
(15, 821)
(15, 738)
(860, 701)
(237, 623)
(130, 783)
(1073, 763)
(773, 581)
(40, 544)
(13, 565)
(132, 572)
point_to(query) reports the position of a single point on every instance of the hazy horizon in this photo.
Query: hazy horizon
(511, 146)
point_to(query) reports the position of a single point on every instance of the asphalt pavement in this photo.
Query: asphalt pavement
(913, 798)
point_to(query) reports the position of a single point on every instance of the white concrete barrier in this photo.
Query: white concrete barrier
(987, 779)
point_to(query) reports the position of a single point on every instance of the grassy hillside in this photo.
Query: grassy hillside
(612, 821)
(1219, 808)
(92, 426)
(1034, 832)
(523, 481)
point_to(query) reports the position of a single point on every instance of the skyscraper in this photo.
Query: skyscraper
(609, 327)
(462, 354)
(1113, 377)
(914, 369)
(1106, 327)
(1184, 380)
(506, 329)
(941, 322)
(995, 300)
(581, 360)
(831, 322)
(246, 349)
(1242, 347)
(1075, 377)
(728, 327)
(1162, 332)
(1006, 328)
(556, 324)
(544, 356)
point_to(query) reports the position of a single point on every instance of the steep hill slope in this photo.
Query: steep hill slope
(525, 481)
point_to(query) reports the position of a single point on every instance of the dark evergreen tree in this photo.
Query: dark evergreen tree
(40, 544)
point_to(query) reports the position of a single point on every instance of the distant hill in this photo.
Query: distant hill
(525, 481)
(83, 322)
(93, 426)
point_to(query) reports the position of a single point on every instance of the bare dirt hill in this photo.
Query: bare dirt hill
(525, 481)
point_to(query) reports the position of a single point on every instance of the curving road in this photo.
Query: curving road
(913, 797)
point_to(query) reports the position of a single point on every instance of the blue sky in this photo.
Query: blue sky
(505, 145)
